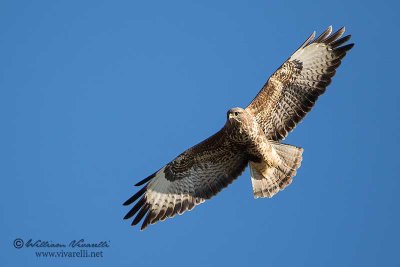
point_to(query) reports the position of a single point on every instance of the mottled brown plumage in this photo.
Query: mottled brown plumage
(249, 137)
(293, 89)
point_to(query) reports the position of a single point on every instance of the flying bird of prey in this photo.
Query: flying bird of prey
(250, 136)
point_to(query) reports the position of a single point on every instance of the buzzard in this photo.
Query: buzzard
(250, 136)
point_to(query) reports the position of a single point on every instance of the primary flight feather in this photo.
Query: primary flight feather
(250, 136)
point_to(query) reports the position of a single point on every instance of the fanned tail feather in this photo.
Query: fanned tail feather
(271, 180)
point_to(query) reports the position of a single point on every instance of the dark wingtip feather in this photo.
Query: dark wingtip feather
(308, 41)
(345, 48)
(146, 179)
(340, 41)
(135, 209)
(146, 221)
(141, 213)
(325, 34)
(135, 196)
(333, 37)
(158, 216)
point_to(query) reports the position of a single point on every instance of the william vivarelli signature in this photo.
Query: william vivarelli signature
(81, 243)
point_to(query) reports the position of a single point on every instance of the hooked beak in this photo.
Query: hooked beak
(232, 118)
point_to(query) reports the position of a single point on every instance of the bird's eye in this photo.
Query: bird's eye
(236, 113)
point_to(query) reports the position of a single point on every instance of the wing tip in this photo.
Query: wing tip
(313, 34)
(333, 40)
(308, 41)
(324, 36)
(135, 196)
(138, 206)
(143, 211)
(145, 180)
(349, 46)
(126, 217)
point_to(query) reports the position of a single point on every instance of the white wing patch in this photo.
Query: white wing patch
(162, 194)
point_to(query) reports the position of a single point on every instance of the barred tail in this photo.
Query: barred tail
(269, 180)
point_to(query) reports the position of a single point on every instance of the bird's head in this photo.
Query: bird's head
(240, 125)
(236, 115)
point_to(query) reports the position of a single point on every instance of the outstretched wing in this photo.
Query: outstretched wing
(194, 176)
(294, 88)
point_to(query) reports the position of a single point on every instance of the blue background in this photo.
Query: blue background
(97, 95)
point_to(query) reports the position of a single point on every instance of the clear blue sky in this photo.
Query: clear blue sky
(97, 95)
